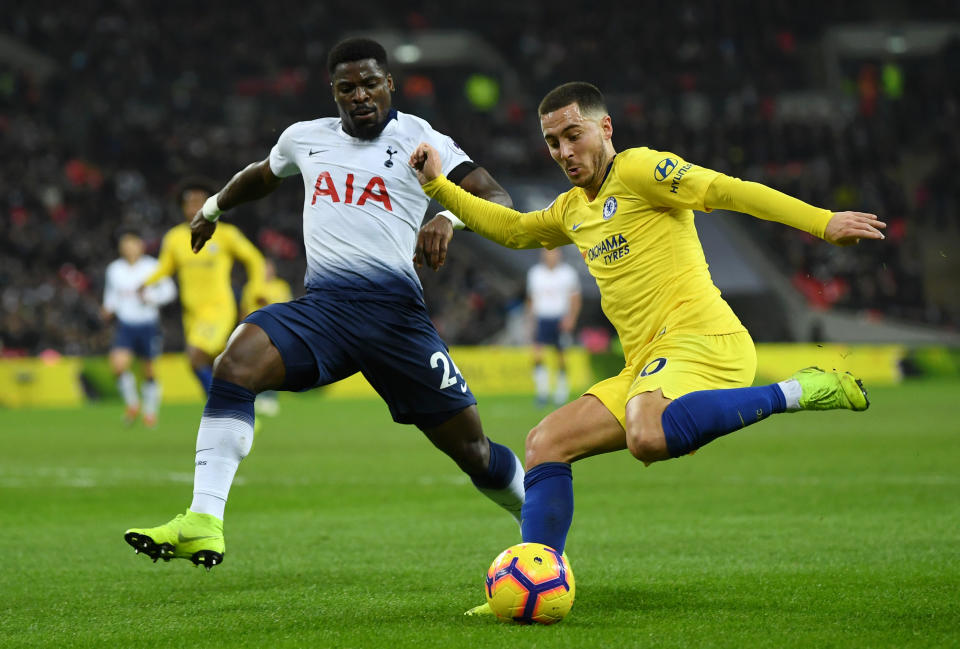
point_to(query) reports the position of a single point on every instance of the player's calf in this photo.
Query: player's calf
(698, 418)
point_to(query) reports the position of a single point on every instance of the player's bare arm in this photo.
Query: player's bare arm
(435, 236)
(252, 183)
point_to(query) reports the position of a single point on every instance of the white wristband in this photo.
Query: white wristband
(211, 211)
(454, 221)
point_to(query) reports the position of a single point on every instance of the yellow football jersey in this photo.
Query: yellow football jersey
(275, 290)
(205, 289)
(638, 240)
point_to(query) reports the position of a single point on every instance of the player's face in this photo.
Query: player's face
(131, 247)
(551, 257)
(193, 200)
(577, 143)
(362, 92)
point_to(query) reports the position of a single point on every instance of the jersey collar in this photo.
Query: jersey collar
(606, 173)
(391, 117)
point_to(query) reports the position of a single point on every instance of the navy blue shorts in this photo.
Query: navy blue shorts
(548, 332)
(395, 346)
(143, 339)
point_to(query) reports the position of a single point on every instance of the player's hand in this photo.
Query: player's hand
(426, 162)
(567, 324)
(105, 315)
(847, 228)
(200, 231)
(432, 242)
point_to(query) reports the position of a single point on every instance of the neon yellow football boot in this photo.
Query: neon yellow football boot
(193, 536)
(830, 390)
(483, 609)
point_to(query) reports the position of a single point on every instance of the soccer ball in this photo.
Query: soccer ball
(530, 582)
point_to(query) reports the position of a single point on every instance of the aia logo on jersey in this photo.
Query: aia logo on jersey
(374, 190)
(664, 168)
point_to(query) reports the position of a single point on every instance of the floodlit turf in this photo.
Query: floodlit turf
(346, 530)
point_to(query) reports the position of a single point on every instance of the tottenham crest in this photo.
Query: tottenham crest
(609, 208)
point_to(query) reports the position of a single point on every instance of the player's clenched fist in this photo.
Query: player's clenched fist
(847, 228)
(432, 242)
(426, 162)
(200, 231)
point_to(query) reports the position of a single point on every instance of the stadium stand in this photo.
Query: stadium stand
(105, 104)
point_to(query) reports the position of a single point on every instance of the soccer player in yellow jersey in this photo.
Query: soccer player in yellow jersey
(206, 294)
(275, 289)
(689, 360)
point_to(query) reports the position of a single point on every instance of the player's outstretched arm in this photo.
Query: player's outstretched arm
(840, 228)
(250, 184)
(499, 223)
(434, 237)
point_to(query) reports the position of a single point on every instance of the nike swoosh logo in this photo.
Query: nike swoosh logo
(205, 449)
(463, 388)
(312, 152)
(187, 539)
(576, 225)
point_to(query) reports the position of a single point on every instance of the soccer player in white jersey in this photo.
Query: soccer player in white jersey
(137, 331)
(363, 310)
(553, 302)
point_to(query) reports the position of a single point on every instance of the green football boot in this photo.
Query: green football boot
(483, 609)
(830, 390)
(193, 536)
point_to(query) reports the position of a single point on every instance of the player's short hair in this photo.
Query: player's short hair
(356, 49)
(585, 95)
(193, 182)
(127, 231)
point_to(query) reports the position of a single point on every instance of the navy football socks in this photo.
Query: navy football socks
(548, 510)
(698, 418)
(205, 376)
(500, 470)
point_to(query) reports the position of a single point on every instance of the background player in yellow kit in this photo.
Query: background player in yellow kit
(689, 360)
(275, 289)
(206, 294)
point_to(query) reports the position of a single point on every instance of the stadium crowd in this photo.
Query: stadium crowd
(120, 99)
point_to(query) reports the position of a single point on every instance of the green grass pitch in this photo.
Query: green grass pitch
(346, 530)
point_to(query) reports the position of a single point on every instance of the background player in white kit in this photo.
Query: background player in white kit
(363, 310)
(137, 331)
(553, 303)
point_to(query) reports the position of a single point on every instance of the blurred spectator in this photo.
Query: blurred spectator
(141, 94)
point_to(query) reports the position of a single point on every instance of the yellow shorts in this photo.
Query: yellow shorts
(679, 363)
(208, 335)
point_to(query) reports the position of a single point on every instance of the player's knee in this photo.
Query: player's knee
(541, 447)
(228, 367)
(646, 445)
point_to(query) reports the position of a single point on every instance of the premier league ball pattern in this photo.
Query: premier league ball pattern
(530, 582)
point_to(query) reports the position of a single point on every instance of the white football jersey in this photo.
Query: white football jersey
(362, 204)
(550, 290)
(121, 281)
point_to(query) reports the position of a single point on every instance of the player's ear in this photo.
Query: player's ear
(606, 125)
(390, 82)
